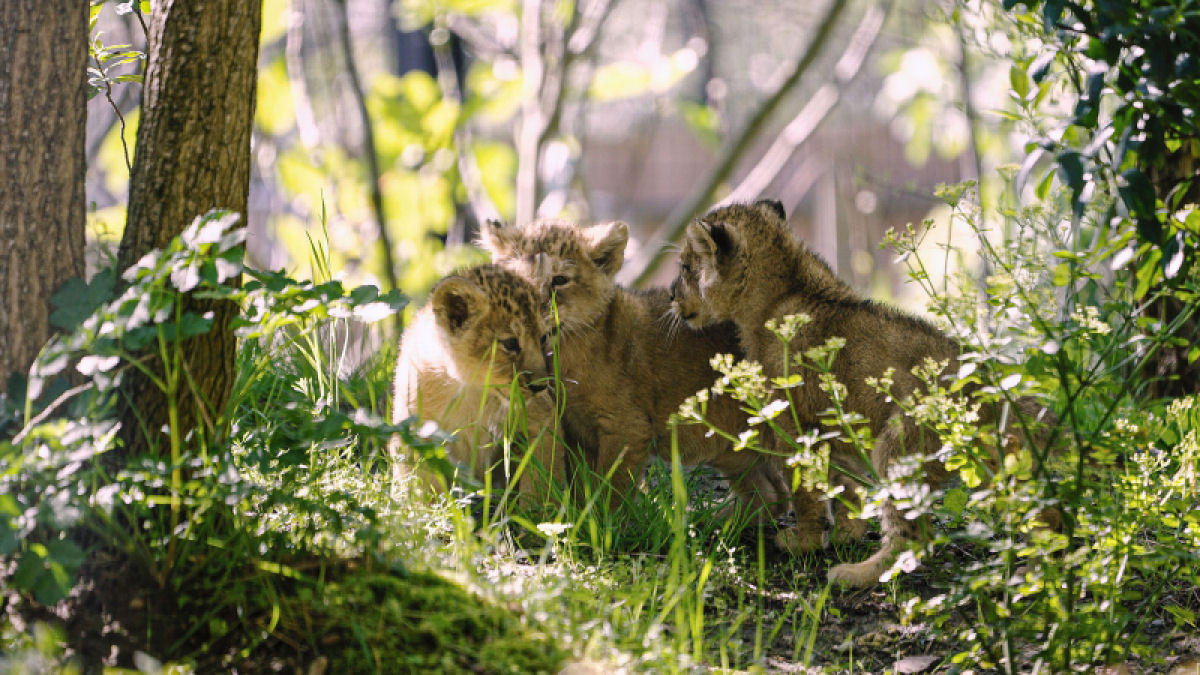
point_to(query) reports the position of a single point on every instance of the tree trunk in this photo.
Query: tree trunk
(193, 155)
(43, 113)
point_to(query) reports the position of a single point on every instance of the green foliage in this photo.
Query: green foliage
(1056, 326)
(1135, 70)
(209, 497)
(1120, 473)
(106, 58)
(38, 650)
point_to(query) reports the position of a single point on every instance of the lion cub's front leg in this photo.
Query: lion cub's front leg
(808, 532)
(548, 459)
(623, 454)
(762, 491)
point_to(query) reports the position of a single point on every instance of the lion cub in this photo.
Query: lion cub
(626, 366)
(481, 330)
(742, 263)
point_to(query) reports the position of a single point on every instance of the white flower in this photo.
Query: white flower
(553, 529)
(771, 410)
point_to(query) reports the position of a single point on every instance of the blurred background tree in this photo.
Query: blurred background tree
(391, 129)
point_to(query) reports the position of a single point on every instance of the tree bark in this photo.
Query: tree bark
(43, 116)
(193, 155)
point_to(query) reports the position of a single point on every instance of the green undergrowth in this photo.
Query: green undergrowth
(292, 539)
(422, 622)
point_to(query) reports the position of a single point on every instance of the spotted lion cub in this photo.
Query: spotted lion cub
(625, 365)
(742, 263)
(481, 331)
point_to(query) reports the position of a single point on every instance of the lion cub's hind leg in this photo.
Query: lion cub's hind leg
(898, 534)
(898, 531)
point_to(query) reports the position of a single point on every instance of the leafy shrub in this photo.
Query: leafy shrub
(205, 509)
(1118, 468)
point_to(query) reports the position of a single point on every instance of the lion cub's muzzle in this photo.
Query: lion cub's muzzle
(535, 382)
(678, 297)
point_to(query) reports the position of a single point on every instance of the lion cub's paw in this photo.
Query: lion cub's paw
(798, 539)
(847, 529)
(856, 575)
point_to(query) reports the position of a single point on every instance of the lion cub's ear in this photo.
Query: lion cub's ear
(606, 245)
(774, 205)
(495, 237)
(457, 301)
(714, 239)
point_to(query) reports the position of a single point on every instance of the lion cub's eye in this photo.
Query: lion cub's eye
(511, 345)
(685, 268)
(559, 280)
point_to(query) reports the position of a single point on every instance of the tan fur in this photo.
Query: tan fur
(741, 263)
(626, 366)
(458, 360)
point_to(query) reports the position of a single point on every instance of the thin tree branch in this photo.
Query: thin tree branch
(815, 111)
(373, 189)
(137, 12)
(128, 99)
(577, 41)
(972, 115)
(468, 169)
(653, 251)
(545, 86)
(49, 410)
(485, 45)
(115, 108)
(533, 76)
(310, 133)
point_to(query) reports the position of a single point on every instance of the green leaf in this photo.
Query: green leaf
(955, 500)
(1043, 186)
(1172, 250)
(8, 538)
(1147, 272)
(30, 568)
(1062, 275)
(364, 294)
(54, 584)
(1138, 195)
(1182, 615)
(618, 80)
(1087, 109)
(193, 324)
(1019, 81)
(703, 120)
(1052, 12)
(1070, 164)
(77, 299)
